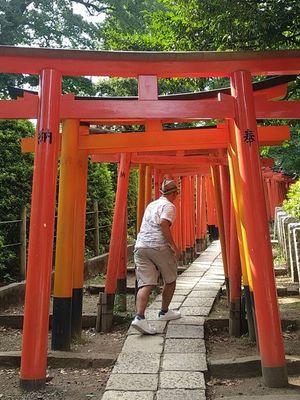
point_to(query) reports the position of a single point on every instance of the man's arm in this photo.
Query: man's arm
(166, 231)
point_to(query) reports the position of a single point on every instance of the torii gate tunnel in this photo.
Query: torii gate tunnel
(238, 110)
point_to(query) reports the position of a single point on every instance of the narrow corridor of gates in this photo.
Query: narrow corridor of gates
(222, 162)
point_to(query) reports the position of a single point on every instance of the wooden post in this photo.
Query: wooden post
(23, 244)
(96, 228)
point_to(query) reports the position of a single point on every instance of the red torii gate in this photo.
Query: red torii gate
(241, 108)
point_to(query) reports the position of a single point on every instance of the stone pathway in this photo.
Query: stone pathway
(171, 364)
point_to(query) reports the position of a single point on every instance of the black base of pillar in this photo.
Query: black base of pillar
(213, 232)
(235, 318)
(105, 312)
(227, 288)
(200, 245)
(121, 294)
(32, 384)
(61, 324)
(76, 318)
(250, 314)
(275, 377)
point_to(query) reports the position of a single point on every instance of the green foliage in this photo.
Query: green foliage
(287, 156)
(292, 204)
(202, 25)
(15, 189)
(100, 190)
(44, 23)
(132, 205)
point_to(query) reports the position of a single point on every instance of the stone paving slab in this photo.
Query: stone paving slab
(207, 286)
(193, 274)
(184, 346)
(198, 302)
(188, 320)
(156, 305)
(184, 362)
(201, 311)
(179, 394)
(185, 332)
(118, 395)
(151, 314)
(187, 279)
(137, 363)
(183, 292)
(133, 382)
(143, 344)
(185, 285)
(181, 380)
(204, 293)
(160, 327)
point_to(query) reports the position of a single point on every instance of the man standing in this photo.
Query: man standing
(156, 253)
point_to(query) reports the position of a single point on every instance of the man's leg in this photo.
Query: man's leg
(139, 322)
(167, 294)
(142, 299)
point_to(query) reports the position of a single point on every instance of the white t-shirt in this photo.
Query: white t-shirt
(150, 234)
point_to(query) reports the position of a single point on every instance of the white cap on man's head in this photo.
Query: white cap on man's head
(168, 186)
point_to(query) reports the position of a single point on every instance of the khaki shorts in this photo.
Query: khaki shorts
(151, 262)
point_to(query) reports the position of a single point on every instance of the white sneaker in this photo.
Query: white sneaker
(143, 326)
(170, 315)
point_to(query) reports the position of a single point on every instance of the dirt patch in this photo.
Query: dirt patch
(64, 384)
(219, 388)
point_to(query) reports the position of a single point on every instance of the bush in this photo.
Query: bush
(15, 191)
(292, 204)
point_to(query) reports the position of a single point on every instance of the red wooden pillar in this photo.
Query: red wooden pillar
(184, 219)
(116, 245)
(122, 269)
(211, 209)
(225, 198)
(38, 281)
(218, 198)
(79, 237)
(200, 214)
(193, 214)
(148, 185)
(156, 184)
(188, 217)
(141, 196)
(257, 231)
(267, 189)
(203, 215)
(179, 223)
